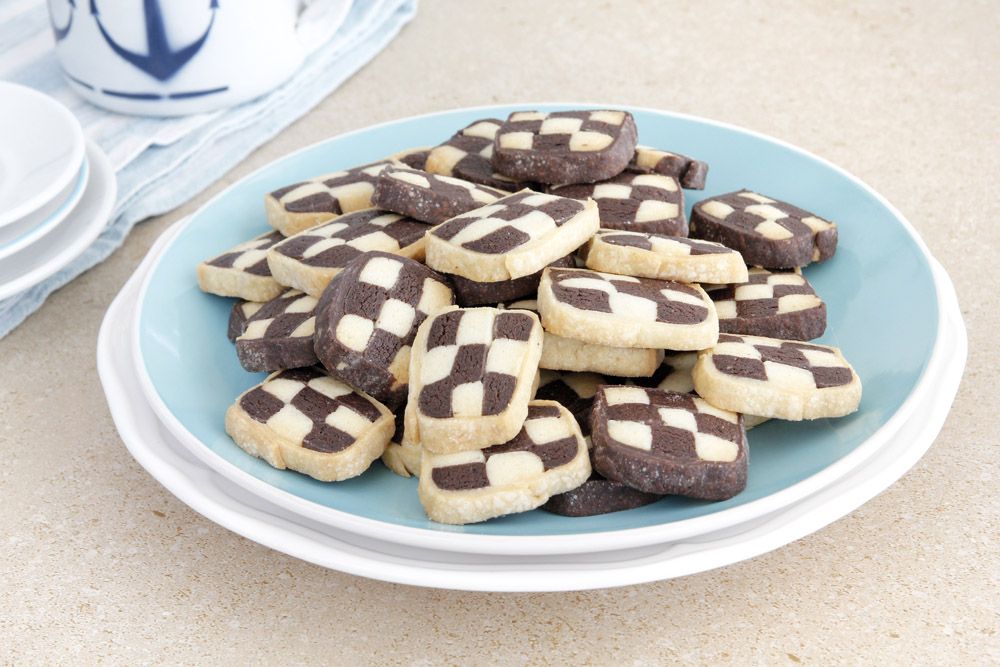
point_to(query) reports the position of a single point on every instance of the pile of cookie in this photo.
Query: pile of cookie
(524, 317)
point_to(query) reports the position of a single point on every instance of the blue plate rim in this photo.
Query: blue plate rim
(541, 544)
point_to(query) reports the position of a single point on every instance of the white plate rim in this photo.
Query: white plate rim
(101, 176)
(710, 551)
(534, 544)
(73, 194)
(72, 165)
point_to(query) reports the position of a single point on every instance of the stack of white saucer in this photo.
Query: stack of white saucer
(57, 189)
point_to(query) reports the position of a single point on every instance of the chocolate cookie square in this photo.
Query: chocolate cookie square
(297, 207)
(309, 260)
(690, 172)
(767, 232)
(663, 257)
(513, 237)
(564, 146)
(598, 496)
(637, 202)
(367, 320)
(776, 304)
(468, 154)
(242, 271)
(279, 334)
(624, 311)
(472, 373)
(427, 197)
(667, 443)
(304, 420)
(777, 378)
(547, 456)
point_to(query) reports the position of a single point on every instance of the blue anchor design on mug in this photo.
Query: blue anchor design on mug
(153, 57)
(159, 61)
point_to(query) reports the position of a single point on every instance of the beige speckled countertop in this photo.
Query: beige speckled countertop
(100, 564)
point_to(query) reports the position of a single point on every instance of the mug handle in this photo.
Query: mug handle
(318, 20)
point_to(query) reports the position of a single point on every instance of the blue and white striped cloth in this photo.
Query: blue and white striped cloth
(162, 162)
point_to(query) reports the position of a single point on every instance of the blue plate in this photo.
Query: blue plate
(883, 314)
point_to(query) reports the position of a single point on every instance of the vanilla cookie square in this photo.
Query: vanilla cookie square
(472, 373)
(304, 420)
(513, 237)
(547, 456)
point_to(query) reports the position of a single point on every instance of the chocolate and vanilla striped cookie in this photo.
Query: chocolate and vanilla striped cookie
(367, 320)
(547, 456)
(299, 206)
(242, 271)
(513, 237)
(623, 311)
(767, 232)
(309, 260)
(304, 420)
(472, 373)
(561, 147)
(777, 378)
(665, 442)
(663, 257)
(428, 197)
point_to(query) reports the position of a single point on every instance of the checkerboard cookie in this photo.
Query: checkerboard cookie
(297, 207)
(624, 311)
(306, 421)
(547, 456)
(515, 236)
(638, 202)
(367, 320)
(664, 442)
(770, 303)
(673, 374)
(690, 172)
(570, 354)
(564, 146)
(427, 197)
(767, 232)
(598, 496)
(573, 391)
(664, 257)
(777, 378)
(279, 334)
(242, 271)
(468, 155)
(414, 158)
(472, 373)
(400, 456)
(309, 260)
(474, 293)
(238, 316)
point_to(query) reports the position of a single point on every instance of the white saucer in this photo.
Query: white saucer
(70, 237)
(32, 227)
(234, 508)
(41, 150)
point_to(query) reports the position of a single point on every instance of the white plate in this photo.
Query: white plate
(70, 237)
(32, 227)
(41, 150)
(234, 508)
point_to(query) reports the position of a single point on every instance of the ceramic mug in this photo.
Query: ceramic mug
(175, 57)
